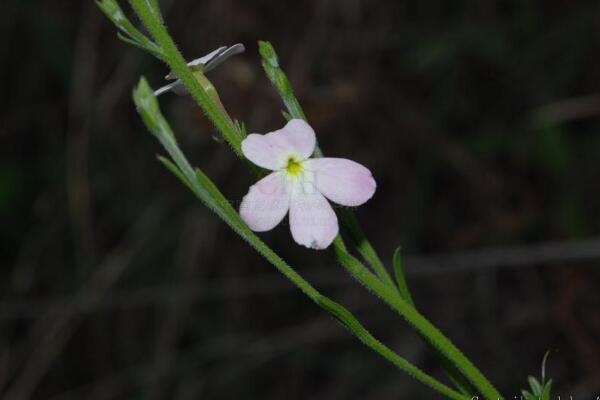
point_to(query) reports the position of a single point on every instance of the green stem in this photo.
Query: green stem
(364, 247)
(177, 63)
(458, 379)
(419, 322)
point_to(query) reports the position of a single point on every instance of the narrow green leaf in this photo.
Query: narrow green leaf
(450, 369)
(219, 198)
(528, 396)
(351, 323)
(175, 171)
(279, 80)
(546, 392)
(536, 388)
(155, 51)
(147, 106)
(268, 54)
(132, 35)
(400, 278)
(114, 12)
(428, 331)
(362, 244)
(459, 382)
(127, 39)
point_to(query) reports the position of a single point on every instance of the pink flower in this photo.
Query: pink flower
(301, 185)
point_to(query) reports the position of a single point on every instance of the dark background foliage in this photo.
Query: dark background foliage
(479, 120)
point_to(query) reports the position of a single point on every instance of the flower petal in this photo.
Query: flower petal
(301, 136)
(273, 150)
(312, 220)
(342, 181)
(266, 203)
(267, 151)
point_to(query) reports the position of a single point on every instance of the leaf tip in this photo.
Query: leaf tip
(268, 54)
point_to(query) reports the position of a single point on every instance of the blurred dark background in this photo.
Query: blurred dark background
(479, 119)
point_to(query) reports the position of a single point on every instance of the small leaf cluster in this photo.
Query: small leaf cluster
(539, 389)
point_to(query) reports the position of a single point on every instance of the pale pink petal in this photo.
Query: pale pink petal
(266, 203)
(273, 150)
(342, 181)
(268, 151)
(312, 220)
(301, 136)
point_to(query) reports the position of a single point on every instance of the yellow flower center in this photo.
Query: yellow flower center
(293, 167)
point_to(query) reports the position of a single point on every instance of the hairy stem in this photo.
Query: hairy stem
(152, 21)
